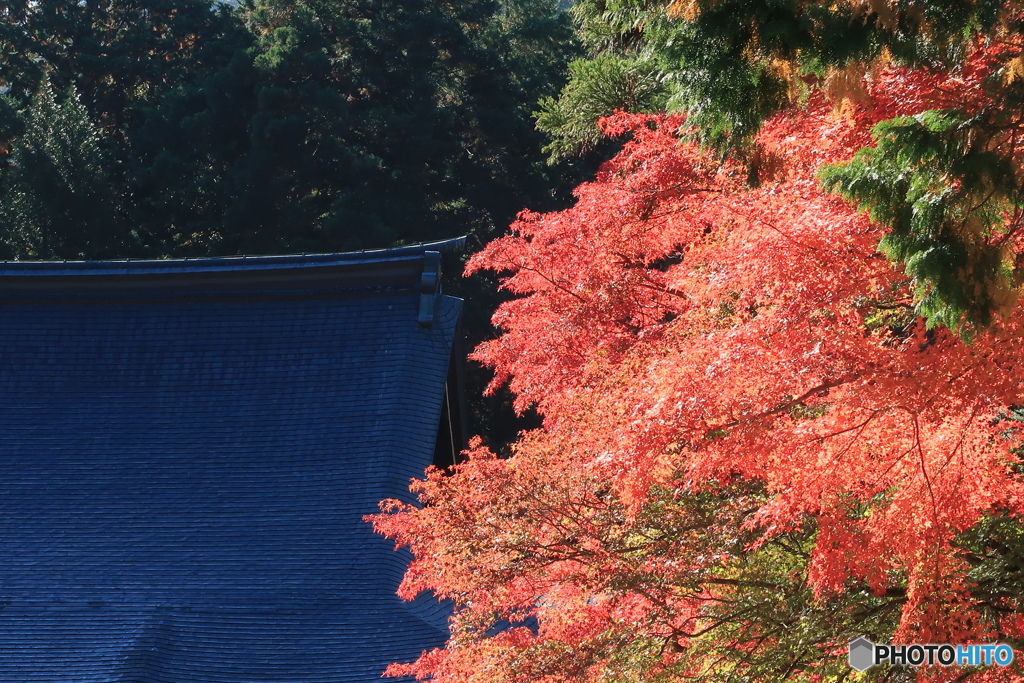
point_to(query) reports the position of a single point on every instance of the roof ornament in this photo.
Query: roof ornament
(430, 287)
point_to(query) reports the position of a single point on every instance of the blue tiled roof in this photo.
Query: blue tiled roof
(185, 463)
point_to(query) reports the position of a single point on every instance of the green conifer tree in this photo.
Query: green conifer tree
(56, 199)
(371, 123)
(120, 56)
(944, 182)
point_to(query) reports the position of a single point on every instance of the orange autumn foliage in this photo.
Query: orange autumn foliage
(686, 335)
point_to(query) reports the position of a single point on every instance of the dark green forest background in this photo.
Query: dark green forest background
(180, 127)
(169, 128)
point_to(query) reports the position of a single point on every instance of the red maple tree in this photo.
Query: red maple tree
(746, 422)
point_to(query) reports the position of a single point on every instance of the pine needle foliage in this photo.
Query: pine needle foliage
(597, 86)
(56, 200)
(944, 192)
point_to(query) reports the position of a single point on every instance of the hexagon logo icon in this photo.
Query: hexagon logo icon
(862, 654)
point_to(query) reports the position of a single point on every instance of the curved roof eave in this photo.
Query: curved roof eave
(224, 264)
(380, 270)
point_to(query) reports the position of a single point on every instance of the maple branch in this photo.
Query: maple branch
(855, 438)
(919, 448)
(777, 540)
(895, 462)
(1015, 225)
(631, 263)
(556, 285)
(786, 407)
(960, 441)
(724, 620)
(895, 306)
(924, 470)
(858, 427)
(963, 677)
(896, 601)
(742, 583)
(678, 188)
(776, 228)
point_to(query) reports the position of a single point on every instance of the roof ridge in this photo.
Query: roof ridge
(226, 263)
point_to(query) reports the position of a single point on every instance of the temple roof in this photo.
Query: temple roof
(187, 449)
